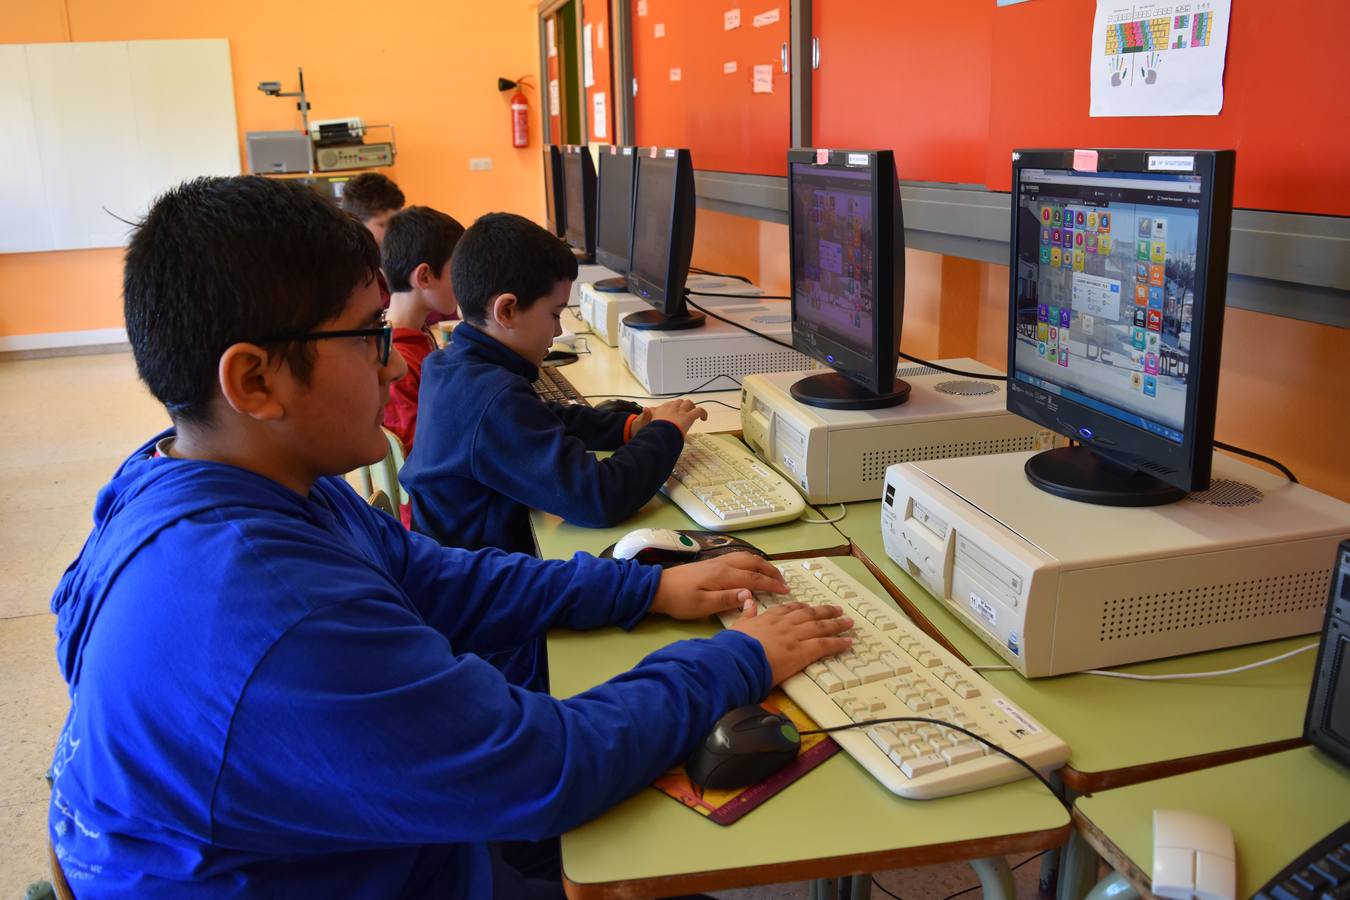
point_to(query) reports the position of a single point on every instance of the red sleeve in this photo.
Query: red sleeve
(400, 416)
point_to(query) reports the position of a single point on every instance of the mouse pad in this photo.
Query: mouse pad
(725, 807)
(710, 543)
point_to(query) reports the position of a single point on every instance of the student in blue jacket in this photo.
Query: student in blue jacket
(487, 449)
(274, 689)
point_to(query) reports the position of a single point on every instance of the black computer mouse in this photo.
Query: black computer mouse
(623, 406)
(559, 357)
(746, 746)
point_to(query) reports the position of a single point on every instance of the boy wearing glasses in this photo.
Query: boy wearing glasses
(274, 688)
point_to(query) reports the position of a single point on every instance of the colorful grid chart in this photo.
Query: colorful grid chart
(1139, 36)
(1201, 28)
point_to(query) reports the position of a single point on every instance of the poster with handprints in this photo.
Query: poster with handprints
(1159, 59)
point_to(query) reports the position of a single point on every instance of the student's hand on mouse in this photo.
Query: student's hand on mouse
(715, 585)
(795, 635)
(680, 413)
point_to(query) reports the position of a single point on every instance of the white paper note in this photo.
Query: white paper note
(600, 131)
(552, 44)
(659, 30)
(676, 74)
(587, 55)
(642, 7)
(766, 18)
(728, 67)
(764, 79)
(600, 35)
(1159, 59)
(554, 108)
(731, 19)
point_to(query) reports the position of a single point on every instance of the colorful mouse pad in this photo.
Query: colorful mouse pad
(725, 807)
(710, 543)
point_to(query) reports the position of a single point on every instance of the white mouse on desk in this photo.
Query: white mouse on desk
(655, 545)
(1193, 856)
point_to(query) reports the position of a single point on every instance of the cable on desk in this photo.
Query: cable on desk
(970, 734)
(692, 390)
(976, 887)
(843, 511)
(1178, 676)
(708, 312)
(950, 371)
(738, 296)
(701, 271)
(1259, 457)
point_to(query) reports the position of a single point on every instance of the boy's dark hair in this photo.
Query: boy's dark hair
(503, 253)
(370, 194)
(218, 261)
(418, 234)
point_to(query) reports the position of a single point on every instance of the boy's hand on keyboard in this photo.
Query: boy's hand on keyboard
(794, 635)
(700, 589)
(680, 413)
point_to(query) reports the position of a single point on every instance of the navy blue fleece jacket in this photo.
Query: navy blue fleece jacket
(487, 450)
(277, 695)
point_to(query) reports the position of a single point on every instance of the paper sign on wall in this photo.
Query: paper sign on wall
(766, 18)
(587, 56)
(552, 44)
(659, 30)
(642, 7)
(601, 124)
(728, 67)
(764, 79)
(1150, 59)
(600, 35)
(554, 108)
(731, 19)
(676, 74)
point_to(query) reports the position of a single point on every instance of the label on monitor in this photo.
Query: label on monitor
(1171, 163)
(857, 159)
(670, 154)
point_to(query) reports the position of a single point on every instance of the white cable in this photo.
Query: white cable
(1107, 673)
(843, 511)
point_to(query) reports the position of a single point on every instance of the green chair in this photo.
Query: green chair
(383, 475)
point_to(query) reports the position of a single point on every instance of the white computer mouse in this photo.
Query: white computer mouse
(1193, 856)
(655, 545)
(568, 338)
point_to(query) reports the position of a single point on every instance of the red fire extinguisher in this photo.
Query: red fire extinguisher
(520, 110)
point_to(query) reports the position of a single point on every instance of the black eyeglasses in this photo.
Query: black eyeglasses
(384, 338)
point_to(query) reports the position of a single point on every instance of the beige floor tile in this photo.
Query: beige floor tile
(33, 706)
(23, 847)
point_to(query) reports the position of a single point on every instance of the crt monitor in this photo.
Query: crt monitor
(554, 208)
(579, 193)
(1119, 262)
(663, 239)
(847, 249)
(614, 211)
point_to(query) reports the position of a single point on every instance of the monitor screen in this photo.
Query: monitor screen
(663, 229)
(1117, 283)
(553, 190)
(579, 193)
(615, 208)
(1114, 282)
(833, 283)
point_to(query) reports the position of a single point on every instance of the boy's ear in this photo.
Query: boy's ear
(247, 376)
(504, 310)
(421, 276)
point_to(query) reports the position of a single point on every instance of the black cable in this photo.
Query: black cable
(976, 886)
(700, 271)
(970, 734)
(881, 887)
(933, 365)
(692, 390)
(1257, 456)
(708, 312)
(742, 296)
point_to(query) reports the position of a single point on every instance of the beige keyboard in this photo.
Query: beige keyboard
(722, 485)
(894, 669)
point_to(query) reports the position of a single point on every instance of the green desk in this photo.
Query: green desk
(835, 821)
(1277, 805)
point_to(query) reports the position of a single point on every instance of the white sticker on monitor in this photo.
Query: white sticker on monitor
(857, 159)
(1171, 163)
(670, 154)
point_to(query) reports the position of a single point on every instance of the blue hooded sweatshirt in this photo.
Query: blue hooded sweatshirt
(278, 696)
(488, 450)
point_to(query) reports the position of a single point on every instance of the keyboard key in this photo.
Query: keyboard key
(960, 753)
(1331, 872)
(922, 765)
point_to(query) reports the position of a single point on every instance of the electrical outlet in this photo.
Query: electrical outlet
(480, 164)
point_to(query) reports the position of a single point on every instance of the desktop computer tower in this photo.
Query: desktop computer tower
(1057, 586)
(841, 456)
(676, 362)
(604, 310)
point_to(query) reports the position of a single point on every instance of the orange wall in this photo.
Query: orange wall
(428, 67)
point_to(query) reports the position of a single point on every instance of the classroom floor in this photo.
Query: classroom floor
(68, 422)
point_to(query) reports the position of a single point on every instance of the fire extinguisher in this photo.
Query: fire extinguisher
(520, 110)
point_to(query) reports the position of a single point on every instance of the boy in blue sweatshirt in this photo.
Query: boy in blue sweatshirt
(274, 688)
(487, 449)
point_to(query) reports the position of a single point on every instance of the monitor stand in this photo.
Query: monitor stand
(1078, 473)
(830, 390)
(583, 258)
(654, 320)
(616, 285)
